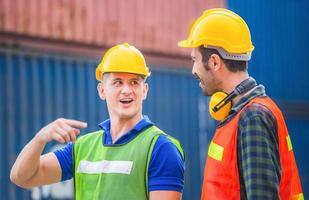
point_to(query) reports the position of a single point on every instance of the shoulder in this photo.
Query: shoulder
(257, 125)
(64, 151)
(166, 167)
(162, 139)
(166, 144)
(257, 112)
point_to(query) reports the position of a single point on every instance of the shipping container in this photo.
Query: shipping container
(155, 26)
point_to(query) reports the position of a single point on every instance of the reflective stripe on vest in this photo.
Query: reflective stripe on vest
(105, 166)
(215, 151)
(288, 140)
(300, 196)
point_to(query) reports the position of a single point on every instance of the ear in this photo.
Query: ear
(215, 62)
(101, 92)
(145, 90)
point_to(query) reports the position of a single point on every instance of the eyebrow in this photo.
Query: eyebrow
(116, 79)
(135, 79)
(120, 79)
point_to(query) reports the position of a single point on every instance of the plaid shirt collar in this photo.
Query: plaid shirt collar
(256, 92)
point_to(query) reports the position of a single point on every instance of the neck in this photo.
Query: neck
(231, 81)
(120, 126)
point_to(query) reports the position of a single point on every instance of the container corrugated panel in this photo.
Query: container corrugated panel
(37, 88)
(280, 36)
(152, 25)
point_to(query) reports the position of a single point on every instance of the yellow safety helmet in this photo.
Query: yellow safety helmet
(122, 58)
(223, 30)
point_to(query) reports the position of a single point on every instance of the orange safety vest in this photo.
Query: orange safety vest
(221, 179)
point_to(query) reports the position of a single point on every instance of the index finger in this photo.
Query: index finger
(75, 123)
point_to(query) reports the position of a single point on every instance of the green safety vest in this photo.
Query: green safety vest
(116, 171)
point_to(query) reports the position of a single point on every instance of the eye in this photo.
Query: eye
(134, 82)
(117, 82)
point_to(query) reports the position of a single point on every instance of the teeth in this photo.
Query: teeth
(126, 100)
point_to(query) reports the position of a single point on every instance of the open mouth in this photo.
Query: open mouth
(126, 100)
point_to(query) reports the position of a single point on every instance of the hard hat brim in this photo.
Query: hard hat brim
(185, 44)
(99, 74)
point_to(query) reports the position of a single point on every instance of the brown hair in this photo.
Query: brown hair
(232, 65)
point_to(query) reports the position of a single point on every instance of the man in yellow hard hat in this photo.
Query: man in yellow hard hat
(250, 155)
(129, 158)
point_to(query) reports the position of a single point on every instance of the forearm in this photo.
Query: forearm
(30, 168)
(28, 161)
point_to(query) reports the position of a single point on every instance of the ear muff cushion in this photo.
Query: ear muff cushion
(224, 111)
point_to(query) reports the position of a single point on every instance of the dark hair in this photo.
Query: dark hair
(232, 65)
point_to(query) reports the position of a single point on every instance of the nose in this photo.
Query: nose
(126, 89)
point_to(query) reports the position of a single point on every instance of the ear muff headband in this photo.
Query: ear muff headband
(220, 105)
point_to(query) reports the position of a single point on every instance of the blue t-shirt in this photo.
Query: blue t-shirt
(166, 167)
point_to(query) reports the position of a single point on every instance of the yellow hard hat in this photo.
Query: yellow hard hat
(220, 28)
(122, 58)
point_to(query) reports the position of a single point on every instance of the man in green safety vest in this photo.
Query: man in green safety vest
(128, 158)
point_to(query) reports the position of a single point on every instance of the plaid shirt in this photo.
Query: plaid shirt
(257, 149)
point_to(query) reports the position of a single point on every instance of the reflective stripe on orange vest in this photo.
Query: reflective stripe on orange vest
(215, 151)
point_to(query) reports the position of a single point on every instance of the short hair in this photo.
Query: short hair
(232, 65)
